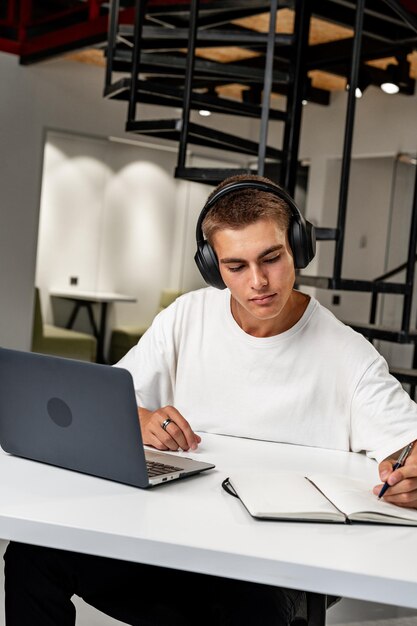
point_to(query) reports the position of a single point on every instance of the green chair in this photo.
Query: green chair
(48, 339)
(125, 337)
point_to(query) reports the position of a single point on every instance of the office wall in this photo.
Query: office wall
(366, 233)
(113, 218)
(107, 215)
(66, 96)
(384, 127)
(32, 99)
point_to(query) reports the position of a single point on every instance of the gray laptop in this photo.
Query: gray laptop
(80, 416)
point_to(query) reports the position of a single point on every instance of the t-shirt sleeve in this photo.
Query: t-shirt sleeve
(383, 416)
(152, 364)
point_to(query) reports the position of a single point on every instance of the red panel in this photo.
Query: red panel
(20, 15)
(94, 9)
(12, 47)
(65, 36)
(25, 12)
(11, 11)
(410, 5)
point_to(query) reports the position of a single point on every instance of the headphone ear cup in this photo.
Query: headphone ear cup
(311, 241)
(207, 263)
(302, 240)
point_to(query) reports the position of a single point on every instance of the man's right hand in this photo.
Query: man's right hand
(176, 434)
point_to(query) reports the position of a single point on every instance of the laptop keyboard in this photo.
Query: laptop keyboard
(156, 469)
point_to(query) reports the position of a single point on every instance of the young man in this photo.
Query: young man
(262, 360)
(254, 358)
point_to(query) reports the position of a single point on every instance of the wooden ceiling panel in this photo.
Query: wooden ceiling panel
(321, 32)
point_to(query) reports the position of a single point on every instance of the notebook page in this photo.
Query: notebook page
(283, 495)
(356, 500)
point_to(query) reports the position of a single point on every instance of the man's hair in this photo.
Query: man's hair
(241, 208)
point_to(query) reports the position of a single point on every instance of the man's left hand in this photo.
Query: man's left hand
(402, 482)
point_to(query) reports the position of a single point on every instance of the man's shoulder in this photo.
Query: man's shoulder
(340, 334)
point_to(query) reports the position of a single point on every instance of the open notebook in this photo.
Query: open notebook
(316, 497)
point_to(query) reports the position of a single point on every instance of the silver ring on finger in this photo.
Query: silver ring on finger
(165, 423)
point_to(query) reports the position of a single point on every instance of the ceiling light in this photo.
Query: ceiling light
(304, 102)
(398, 76)
(204, 113)
(358, 91)
(390, 88)
(364, 80)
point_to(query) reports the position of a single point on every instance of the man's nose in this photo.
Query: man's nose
(259, 278)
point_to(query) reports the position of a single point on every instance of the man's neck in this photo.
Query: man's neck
(291, 313)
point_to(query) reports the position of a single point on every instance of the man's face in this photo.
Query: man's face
(257, 266)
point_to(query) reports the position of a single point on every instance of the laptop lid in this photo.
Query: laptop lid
(79, 416)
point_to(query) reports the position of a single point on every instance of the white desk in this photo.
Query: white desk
(194, 525)
(87, 299)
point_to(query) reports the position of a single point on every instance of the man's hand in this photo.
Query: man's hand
(402, 482)
(177, 434)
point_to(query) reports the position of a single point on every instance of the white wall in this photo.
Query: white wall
(384, 127)
(113, 218)
(366, 232)
(107, 218)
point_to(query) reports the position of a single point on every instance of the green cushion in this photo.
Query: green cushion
(48, 339)
(167, 297)
(125, 337)
(67, 343)
(122, 339)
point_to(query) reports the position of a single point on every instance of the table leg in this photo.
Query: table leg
(101, 336)
(99, 333)
(74, 313)
(316, 609)
(90, 313)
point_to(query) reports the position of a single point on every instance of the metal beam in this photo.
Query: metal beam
(348, 140)
(296, 93)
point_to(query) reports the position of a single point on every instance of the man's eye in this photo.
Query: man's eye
(273, 259)
(235, 268)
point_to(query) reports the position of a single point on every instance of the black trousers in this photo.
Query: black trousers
(39, 584)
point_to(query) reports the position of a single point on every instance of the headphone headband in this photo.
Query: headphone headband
(301, 234)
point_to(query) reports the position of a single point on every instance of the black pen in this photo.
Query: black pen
(400, 462)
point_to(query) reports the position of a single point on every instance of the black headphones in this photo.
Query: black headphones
(301, 233)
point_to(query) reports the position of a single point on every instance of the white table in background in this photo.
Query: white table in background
(194, 525)
(87, 299)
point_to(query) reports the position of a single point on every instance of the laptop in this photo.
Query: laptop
(80, 416)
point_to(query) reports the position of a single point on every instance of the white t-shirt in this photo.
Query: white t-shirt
(317, 384)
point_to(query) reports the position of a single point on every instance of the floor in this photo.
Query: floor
(345, 613)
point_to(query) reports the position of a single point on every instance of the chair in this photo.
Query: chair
(312, 609)
(48, 339)
(125, 337)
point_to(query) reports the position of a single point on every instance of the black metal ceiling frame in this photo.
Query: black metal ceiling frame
(378, 286)
(179, 129)
(192, 70)
(296, 86)
(377, 24)
(156, 63)
(165, 73)
(197, 72)
(384, 34)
